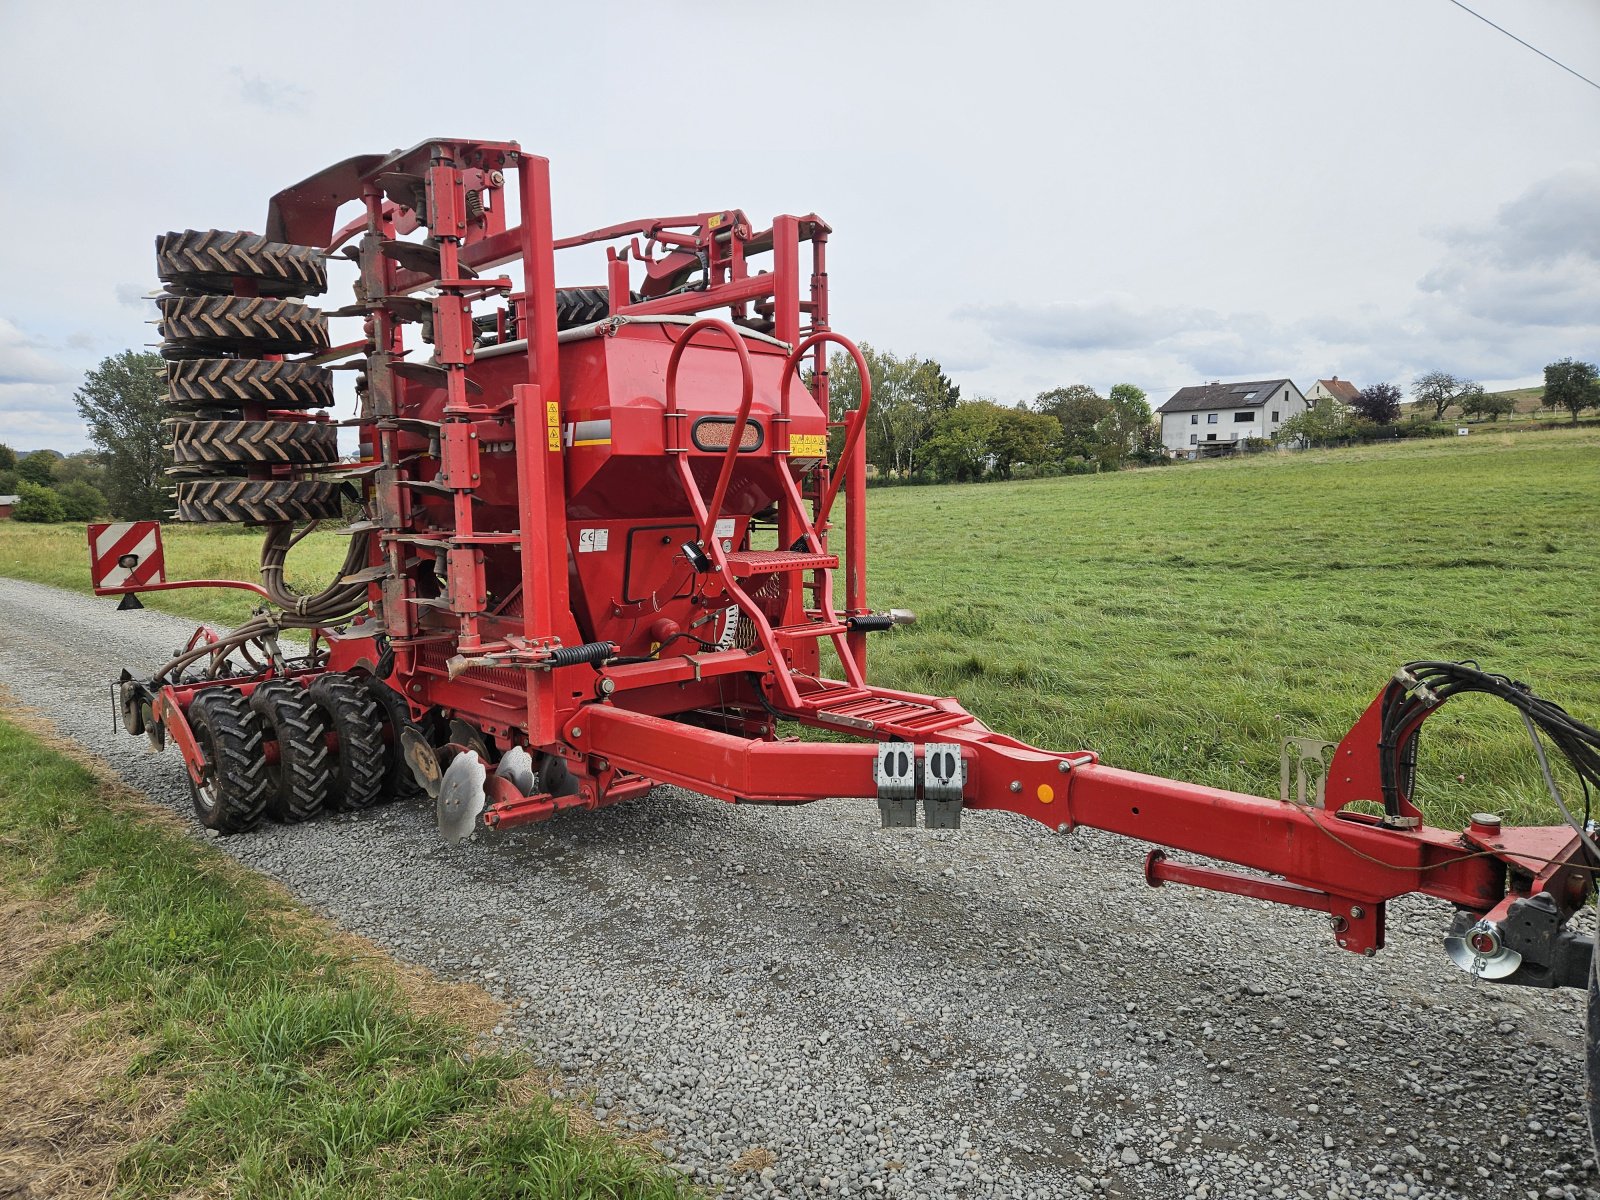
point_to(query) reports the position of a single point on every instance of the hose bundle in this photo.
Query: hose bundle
(337, 602)
(1420, 687)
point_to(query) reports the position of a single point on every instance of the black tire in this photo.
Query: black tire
(361, 766)
(581, 306)
(301, 781)
(254, 443)
(230, 737)
(399, 782)
(234, 501)
(196, 325)
(209, 260)
(231, 382)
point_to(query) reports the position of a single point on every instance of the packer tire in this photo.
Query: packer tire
(236, 501)
(360, 768)
(399, 782)
(209, 260)
(302, 779)
(231, 737)
(581, 306)
(254, 443)
(196, 326)
(234, 382)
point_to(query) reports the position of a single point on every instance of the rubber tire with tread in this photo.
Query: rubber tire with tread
(194, 326)
(254, 443)
(230, 736)
(232, 382)
(209, 260)
(302, 778)
(361, 764)
(233, 501)
(401, 784)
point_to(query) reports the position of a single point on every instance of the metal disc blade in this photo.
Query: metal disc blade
(516, 766)
(1493, 966)
(461, 797)
(422, 760)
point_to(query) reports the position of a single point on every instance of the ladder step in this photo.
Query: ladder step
(744, 563)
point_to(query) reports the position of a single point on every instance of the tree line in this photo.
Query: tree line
(123, 476)
(1568, 384)
(920, 430)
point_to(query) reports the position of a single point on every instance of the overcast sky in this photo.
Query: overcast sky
(1151, 191)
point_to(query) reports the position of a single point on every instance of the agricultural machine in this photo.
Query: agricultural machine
(592, 548)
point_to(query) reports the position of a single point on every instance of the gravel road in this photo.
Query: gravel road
(841, 1010)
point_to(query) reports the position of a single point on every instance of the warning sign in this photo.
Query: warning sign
(807, 445)
(126, 555)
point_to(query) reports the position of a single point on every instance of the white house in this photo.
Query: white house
(1213, 418)
(1340, 390)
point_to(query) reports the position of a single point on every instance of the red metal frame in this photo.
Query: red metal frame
(531, 500)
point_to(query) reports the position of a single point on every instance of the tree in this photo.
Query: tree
(120, 401)
(1378, 403)
(1324, 425)
(1079, 409)
(1442, 389)
(8, 458)
(1123, 431)
(83, 467)
(38, 468)
(1482, 404)
(959, 447)
(1023, 437)
(38, 504)
(1571, 385)
(81, 501)
(908, 397)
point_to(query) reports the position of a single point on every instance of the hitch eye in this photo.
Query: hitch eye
(1484, 941)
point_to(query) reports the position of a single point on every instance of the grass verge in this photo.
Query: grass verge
(172, 1024)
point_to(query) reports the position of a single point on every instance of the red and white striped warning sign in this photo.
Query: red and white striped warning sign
(126, 555)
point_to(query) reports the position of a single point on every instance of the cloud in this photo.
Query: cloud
(1509, 294)
(270, 95)
(133, 295)
(23, 359)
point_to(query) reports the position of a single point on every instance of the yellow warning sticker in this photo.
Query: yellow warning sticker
(552, 424)
(807, 445)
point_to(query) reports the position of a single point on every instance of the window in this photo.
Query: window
(1243, 418)
(1193, 438)
(1194, 418)
(1274, 415)
(1211, 437)
(1211, 418)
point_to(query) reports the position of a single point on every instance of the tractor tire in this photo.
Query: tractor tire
(230, 736)
(232, 382)
(399, 782)
(195, 326)
(254, 443)
(581, 306)
(210, 260)
(360, 767)
(264, 501)
(301, 781)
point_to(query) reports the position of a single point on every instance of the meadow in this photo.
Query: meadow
(1183, 620)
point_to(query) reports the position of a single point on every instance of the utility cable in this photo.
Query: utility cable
(1529, 45)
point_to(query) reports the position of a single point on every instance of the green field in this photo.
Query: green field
(1183, 620)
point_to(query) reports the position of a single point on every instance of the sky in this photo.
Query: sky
(1159, 192)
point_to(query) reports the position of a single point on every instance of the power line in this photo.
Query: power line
(1529, 45)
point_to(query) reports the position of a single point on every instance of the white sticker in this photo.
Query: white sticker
(602, 538)
(590, 540)
(724, 528)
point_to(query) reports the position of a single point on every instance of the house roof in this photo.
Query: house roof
(9, 499)
(1250, 394)
(1340, 389)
